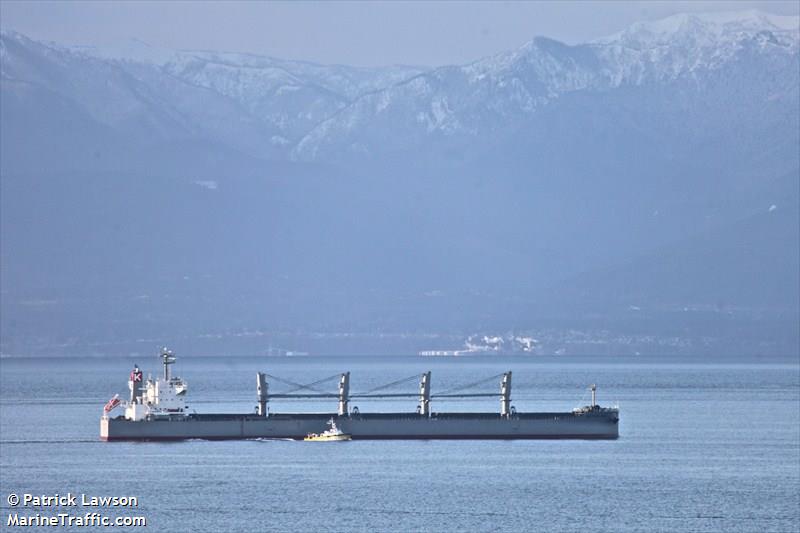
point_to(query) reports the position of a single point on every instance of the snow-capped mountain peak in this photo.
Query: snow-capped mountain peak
(701, 28)
(493, 92)
(314, 111)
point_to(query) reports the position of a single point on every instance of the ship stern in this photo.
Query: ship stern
(104, 428)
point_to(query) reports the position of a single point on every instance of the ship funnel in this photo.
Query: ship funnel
(135, 384)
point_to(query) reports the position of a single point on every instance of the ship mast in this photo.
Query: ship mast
(262, 389)
(505, 395)
(167, 359)
(344, 393)
(425, 394)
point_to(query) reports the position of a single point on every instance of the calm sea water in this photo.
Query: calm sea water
(703, 448)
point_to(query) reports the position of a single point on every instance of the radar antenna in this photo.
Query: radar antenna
(167, 358)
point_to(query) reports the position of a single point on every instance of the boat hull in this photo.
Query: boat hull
(334, 438)
(599, 425)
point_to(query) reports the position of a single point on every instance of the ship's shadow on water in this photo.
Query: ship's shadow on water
(49, 441)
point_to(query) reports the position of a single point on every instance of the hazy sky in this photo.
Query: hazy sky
(356, 33)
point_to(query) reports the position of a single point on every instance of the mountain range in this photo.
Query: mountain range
(645, 184)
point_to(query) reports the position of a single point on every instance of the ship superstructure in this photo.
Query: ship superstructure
(156, 397)
(156, 410)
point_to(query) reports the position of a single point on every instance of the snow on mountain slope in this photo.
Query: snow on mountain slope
(292, 96)
(135, 103)
(347, 81)
(256, 104)
(482, 96)
(270, 107)
(680, 44)
(723, 25)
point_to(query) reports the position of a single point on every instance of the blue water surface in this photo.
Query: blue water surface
(703, 447)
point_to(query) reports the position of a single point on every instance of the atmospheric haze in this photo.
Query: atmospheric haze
(634, 193)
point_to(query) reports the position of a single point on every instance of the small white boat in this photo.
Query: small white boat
(331, 434)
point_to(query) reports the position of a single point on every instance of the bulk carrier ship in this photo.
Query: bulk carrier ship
(156, 410)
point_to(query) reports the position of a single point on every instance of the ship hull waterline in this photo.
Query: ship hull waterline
(383, 426)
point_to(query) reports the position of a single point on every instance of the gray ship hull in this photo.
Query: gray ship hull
(587, 425)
